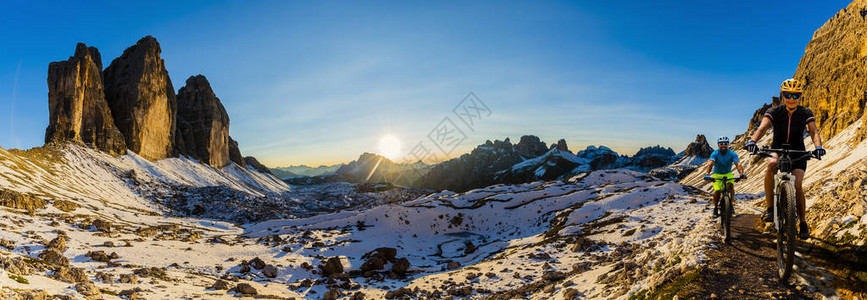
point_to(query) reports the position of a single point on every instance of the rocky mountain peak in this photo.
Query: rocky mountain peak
(202, 123)
(78, 111)
(834, 66)
(699, 147)
(530, 146)
(142, 100)
(561, 145)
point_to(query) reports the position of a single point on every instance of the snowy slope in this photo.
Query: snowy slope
(501, 229)
(606, 234)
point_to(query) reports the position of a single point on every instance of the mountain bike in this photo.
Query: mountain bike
(726, 206)
(785, 206)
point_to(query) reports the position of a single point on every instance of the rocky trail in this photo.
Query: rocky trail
(746, 268)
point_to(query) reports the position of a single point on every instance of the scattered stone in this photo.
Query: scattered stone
(17, 265)
(553, 275)
(70, 275)
(257, 263)
(98, 256)
(570, 294)
(373, 263)
(332, 294)
(128, 278)
(152, 272)
(398, 293)
(53, 256)
(332, 266)
(102, 225)
(269, 271)
(246, 289)
(113, 255)
(105, 277)
(87, 289)
(400, 266)
(357, 296)
(7, 244)
(453, 265)
(68, 206)
(17, 200)
(58, 243)
(221, 285)
(108, 244)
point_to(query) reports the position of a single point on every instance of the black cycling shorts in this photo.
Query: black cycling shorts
(801, 164)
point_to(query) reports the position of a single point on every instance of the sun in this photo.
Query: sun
(389, 146)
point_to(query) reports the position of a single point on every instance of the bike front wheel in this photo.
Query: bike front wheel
(787, 216)
(726, 213)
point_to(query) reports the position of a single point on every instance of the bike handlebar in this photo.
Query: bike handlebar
(766, 152)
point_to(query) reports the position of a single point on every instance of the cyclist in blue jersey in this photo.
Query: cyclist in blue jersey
(721, 161)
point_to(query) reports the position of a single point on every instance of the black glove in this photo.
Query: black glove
(819, 152)
(743, 177)
(751, 147)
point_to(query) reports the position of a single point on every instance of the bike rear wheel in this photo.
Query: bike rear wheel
(726, 212)
(787, 216)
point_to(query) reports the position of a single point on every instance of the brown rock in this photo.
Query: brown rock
(17, 265)
(87, 289)
(142, 100)
(331, 266)
(453, 265)
(332, 294)
(269, 271)
(98, 256)
(8, 244)
(203, 124)
(102, 225)
(246, 289)
(373, 263)
(128, 278)
(58, 243)
(221, 285)
(54, 256)
(235, 153)
(553, 275)
(18, 200)
(400, 266)
(257, 263)
(78, 111)
(70, 275)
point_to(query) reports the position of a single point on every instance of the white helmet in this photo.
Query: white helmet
(722, 139)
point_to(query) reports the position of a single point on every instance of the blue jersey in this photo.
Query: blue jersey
(722, 163)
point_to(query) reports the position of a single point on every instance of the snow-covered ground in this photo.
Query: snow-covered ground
(605, 234)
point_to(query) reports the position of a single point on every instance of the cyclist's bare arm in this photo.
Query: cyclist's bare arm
(766, 124)
(709, 167)
(740, 168)
(814, 133)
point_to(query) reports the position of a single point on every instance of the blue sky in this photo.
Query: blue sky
(320, 83)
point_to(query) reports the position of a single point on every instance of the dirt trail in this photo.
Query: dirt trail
(746, 269)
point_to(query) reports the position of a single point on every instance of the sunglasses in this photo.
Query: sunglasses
(723, 144)
(792, 95)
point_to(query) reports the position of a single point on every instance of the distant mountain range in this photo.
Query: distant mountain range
(305, 170)
(501, 162)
